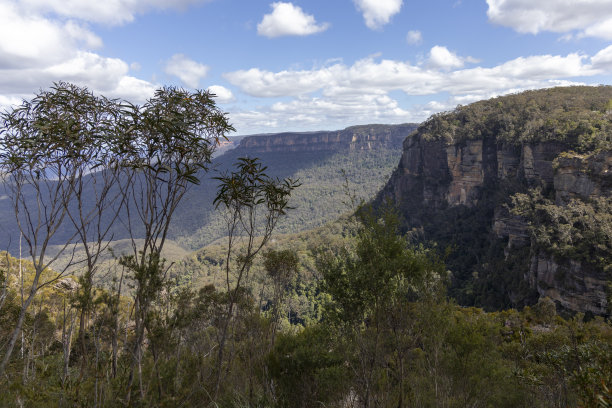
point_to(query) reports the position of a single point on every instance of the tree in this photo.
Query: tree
(280, 266)
(252, 203)
(169, 140)
(372, 288)
(47, 146)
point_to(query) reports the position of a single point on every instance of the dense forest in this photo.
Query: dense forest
(354, 313)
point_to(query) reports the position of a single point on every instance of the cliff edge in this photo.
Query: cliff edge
(520, 188)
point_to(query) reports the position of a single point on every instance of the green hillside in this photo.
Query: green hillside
(322, 173)
(318, 200)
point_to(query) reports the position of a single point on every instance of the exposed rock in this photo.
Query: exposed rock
(364, 137)
(437, 175)
(573, 286)
(66, 285)
(583, 176)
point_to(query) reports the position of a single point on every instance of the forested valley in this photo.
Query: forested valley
(357, 312)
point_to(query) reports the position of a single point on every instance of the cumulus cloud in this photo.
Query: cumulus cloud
(414, 37)
(31, 40)
(441, 57)
(108, 12)
(188, 71)
(603, 59)
(262, 83)
(223, 94)
(377, 13)
(379, 77)
(288, 19)
(37, 50)
(315, 113)
(341, 94)
(591, 18)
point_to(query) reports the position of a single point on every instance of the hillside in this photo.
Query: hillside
(519, 187)
(367, 155)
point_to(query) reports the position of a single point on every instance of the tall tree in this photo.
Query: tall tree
(372, 287)
(46, 147)
(252, 203)
(171, 139)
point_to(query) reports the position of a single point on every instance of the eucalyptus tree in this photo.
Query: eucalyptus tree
(373, 287)
(171, 139)
(47, 147)
(251, 203)
(281, 266)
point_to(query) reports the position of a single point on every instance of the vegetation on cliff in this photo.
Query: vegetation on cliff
(512, 180)
(578, 116)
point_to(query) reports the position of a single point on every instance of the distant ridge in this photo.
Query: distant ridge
(365, 154)
(362, 137)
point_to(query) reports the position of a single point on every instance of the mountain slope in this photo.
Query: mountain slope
(367, 154)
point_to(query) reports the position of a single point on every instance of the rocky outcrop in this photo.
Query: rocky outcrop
(364, 137)
(584, 176)
(437, 176)
(572, 285)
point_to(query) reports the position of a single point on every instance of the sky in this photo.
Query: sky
(304, 65)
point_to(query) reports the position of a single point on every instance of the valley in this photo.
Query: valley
(463, 261)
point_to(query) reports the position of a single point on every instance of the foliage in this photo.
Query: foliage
(378, 330)
(564, 114)
(580, 230)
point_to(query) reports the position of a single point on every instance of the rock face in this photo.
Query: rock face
(439, 176)
(443, 184)
(364, 137)
(584, 177)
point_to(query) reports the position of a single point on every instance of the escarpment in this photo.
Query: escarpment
(519, 187)
(364, 137)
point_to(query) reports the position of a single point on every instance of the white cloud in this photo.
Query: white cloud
(108, 12)
(441, 57)
(414, 37)
(339, 94)
(377, 13)
(603, 59)
(288, 19)
(224, 95)
(313, 113)
(30, 40)
(379, 77)
(188, 71)
(256, 82)
(591, 18)
(36, 51)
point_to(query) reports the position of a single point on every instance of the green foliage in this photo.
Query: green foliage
(59, 131)
(566, 114)
(307, 369)
(382, 270)
(580, 230)
(176, 131)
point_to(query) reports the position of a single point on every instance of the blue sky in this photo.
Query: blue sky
(306, 65)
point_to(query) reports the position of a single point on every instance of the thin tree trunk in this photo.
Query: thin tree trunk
(18, 328)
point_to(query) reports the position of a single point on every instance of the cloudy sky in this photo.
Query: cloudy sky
(306, 64)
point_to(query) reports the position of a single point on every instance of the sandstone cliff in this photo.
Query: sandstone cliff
(365, 137)
(457, 188)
